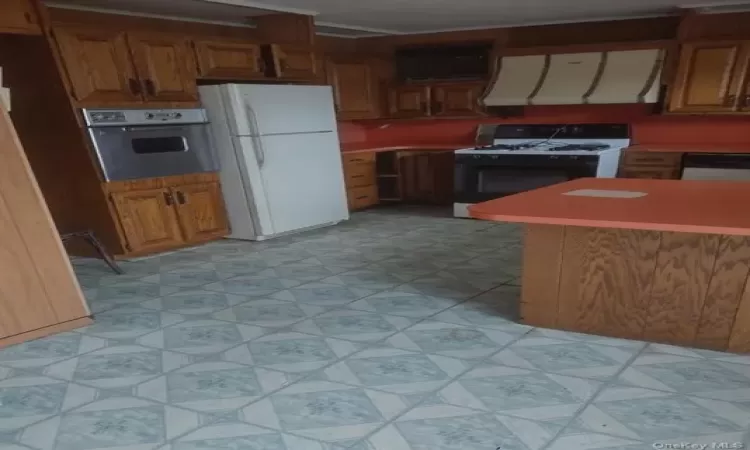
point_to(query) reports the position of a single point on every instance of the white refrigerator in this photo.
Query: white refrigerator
(280, 158)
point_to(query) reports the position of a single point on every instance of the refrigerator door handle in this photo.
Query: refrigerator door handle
(260, 154)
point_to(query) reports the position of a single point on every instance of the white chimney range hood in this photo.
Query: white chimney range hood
(623, 76)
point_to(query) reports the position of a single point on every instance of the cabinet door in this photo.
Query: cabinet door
(353, 92)
(456, 100)
(201, 211)
(228, 59)
(708, 78)
(18, 16)
(409, 101)
(99, 66)
(165, 65)
(293, 61)
(148, 218)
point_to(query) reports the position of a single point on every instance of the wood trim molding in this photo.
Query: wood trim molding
(542, 79)
(658, 64)
(597, 77)
(586, 48)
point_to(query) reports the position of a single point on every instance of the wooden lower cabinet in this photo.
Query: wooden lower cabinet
(653, 165)
(201, 212)
(654, 173)
(362, 197)
(148, 219)
(159, 214)
(678, 288)
(360, 180)
(427, 177)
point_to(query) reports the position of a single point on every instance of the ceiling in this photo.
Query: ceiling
(353, 18)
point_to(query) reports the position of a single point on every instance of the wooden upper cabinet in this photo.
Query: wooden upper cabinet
(148, 219)
(99, 66)
(165, 66)
(229, 60)
(352, 83)
(409, 101)
(293, 61)
(456, 100)
(201, 211)
(19, 16)
(708, 77)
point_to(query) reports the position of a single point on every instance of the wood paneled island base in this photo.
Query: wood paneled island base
(678, 288)
(656, 260)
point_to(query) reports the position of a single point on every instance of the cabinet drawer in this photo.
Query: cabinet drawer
(359, 175)
(659, 173)
(356, 158)
(362, 197)
(634, 158)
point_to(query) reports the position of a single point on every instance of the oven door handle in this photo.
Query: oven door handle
(155, 128)
(260, 154)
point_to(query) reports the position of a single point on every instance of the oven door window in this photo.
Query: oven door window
(501, 181)
(479, 182)
(160, 144)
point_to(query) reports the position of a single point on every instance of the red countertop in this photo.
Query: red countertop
(713, 207)
(689, 148)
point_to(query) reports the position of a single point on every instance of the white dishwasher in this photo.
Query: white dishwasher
(716, 166)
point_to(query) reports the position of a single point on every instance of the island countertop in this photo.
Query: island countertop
(712, 207)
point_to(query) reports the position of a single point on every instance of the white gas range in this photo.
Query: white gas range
(524, 157)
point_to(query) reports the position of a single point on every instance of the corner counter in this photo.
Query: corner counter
(657, 260)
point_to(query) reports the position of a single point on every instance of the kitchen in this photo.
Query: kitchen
(360, 290)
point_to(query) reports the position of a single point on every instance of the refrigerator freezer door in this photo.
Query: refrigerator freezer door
(249, 214)
(303, 180)
(280, 109)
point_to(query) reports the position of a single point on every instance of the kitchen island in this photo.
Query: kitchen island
(657, 260)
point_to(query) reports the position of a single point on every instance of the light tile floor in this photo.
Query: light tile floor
(393, 331)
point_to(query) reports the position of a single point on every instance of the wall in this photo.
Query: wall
(647, 128)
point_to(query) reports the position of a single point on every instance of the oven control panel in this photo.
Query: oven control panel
(99, 117)
(163, 115)
(143, 117)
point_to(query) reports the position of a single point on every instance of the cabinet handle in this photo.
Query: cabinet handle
(27, 16)
(150, 88)
(180, 198)
(363, 197)
(729, 100)
(168, 199)
(358, 176)
(135, 86)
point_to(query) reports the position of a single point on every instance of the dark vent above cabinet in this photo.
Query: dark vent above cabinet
(444, 62)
